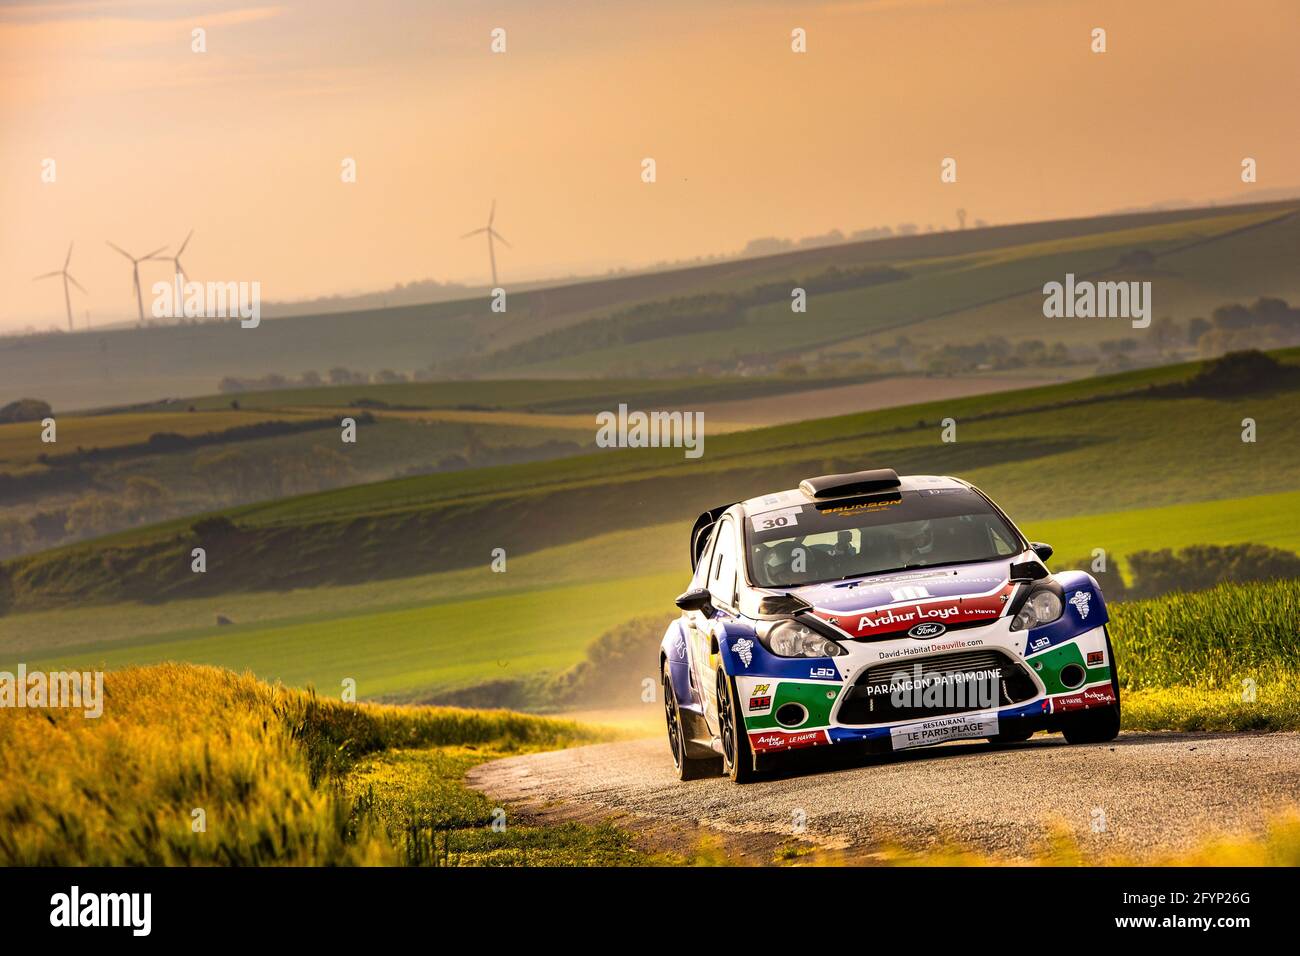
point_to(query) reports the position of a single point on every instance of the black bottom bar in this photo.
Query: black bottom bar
(307, 905)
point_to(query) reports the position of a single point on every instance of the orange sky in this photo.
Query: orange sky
(244, 142)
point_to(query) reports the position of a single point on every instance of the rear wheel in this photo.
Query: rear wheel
(688, 768)
(737, 758)
(1098, 724)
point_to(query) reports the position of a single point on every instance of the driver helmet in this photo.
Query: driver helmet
(913, 538)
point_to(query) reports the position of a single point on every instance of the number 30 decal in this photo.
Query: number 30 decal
(776, 519)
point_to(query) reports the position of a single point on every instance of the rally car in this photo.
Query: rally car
(879, 611)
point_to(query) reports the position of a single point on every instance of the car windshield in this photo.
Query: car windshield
(804, 544)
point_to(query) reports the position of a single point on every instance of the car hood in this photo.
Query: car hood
(887, 603)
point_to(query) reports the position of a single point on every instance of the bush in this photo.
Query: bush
(145, 495)
(617, 663)
(612, 674)
(1203, 566)
(162, 442)
(25, 410)
(94, 515)
(215, 526)
(1237, 372)
(16, 536)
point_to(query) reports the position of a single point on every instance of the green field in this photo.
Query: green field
(20, 443)
(559, 396)
(1083, 448)
(1261, 519)
(426, 649)
(110, 472)
(117, 469)
(400, 652)
(652, 550)
(420, 636)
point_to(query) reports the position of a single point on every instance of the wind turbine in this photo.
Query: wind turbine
(135, 273)
(491, 234)
(67, 277)
(176, 259)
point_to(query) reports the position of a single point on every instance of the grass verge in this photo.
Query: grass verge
(1226, 659)
(419, 800)
(194, 765)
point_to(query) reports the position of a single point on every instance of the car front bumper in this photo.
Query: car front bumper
(1033, 679)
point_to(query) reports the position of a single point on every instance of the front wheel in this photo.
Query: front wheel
(737, 757)
(1092, 726)
(1100, 724)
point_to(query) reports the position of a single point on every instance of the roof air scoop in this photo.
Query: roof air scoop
(853, 483)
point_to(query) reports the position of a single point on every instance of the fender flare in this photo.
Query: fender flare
(726, 636)
(1074, 583)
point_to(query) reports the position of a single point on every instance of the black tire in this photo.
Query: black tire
(688, 768)
(1100, 724)
(737, 758)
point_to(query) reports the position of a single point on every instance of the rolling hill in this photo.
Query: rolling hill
(1132, 441)
(952, 298)
(1208, 256)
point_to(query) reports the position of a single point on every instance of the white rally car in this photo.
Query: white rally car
(883, 611)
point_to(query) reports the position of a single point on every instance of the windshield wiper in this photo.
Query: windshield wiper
(963, 561)
(881, 573)
(916, 567)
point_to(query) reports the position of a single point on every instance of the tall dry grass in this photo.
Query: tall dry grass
(260, 762)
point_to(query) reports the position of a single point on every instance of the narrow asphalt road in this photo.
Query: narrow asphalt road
(1140, 797)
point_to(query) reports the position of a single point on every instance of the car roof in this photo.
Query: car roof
(795, 496)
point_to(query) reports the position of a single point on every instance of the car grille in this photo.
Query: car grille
(965, 681)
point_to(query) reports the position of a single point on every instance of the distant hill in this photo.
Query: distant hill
(1206, 257)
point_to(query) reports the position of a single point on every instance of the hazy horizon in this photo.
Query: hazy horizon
(244, 143)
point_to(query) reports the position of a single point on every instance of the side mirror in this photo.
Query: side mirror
(696, 599)
(1044, 551)
(1027, 571)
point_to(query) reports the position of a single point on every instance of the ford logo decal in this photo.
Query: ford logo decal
(929, 629)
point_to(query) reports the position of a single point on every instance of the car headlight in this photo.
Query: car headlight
(1043, 607)
(792, 639)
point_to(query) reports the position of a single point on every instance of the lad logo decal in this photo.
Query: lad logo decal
(744, 649)
(1080, 602)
